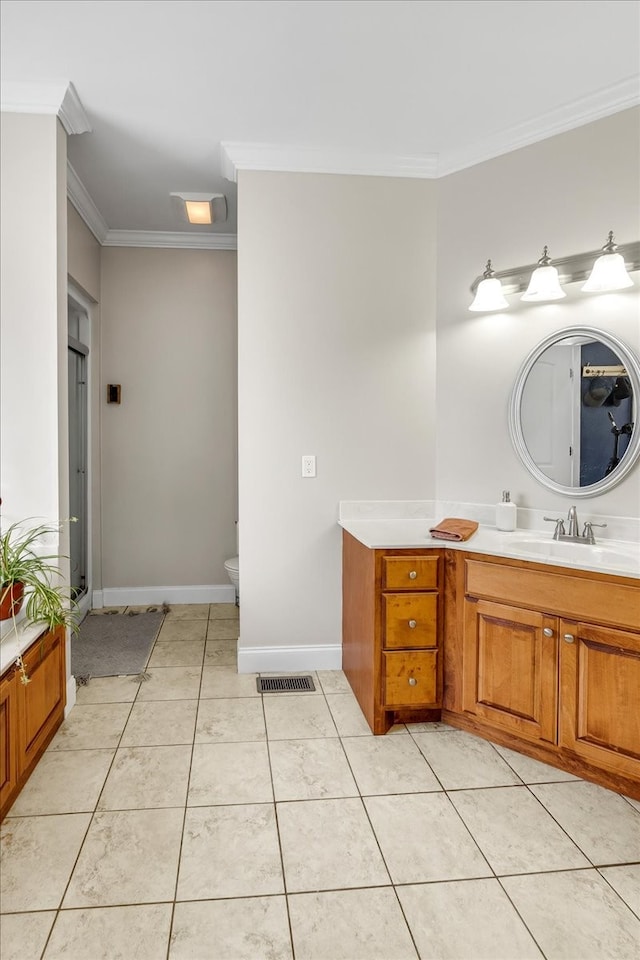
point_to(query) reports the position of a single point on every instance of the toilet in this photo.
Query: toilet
(232, 567)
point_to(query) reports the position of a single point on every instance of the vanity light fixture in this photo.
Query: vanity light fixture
(201, 209)
(609, 271)
(489, 295)
(545, 282)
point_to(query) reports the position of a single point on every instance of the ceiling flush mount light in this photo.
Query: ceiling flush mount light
(545, 282)
(489, 295)
(201, 209)
(609, 271)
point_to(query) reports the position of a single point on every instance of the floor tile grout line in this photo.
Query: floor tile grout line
(636, 913)
(86, 832)
(386, 865)
(277, 821)
(564, 830)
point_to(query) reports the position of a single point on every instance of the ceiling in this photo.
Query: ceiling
(352, 85)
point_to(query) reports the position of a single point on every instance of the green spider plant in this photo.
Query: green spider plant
(47, 599)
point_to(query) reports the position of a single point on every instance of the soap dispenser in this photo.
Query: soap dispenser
(506, 513)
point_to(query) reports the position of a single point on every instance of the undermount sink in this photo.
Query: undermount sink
(609, 554)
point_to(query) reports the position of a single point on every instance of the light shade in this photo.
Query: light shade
(198, 211)
(545, 282)
(609, 271)
(489, 295)
(201, 209)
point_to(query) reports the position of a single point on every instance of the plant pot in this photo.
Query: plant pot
(11, 599)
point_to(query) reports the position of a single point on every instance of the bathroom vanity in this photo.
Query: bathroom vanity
(30, 713)
(537, 656)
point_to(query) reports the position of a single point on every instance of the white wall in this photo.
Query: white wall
(169, 482)
(34, 445)
(336, 331)
(567, 192)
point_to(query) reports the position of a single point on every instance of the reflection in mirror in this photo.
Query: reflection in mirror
(573, 411)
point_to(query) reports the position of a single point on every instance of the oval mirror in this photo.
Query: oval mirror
(573, 411)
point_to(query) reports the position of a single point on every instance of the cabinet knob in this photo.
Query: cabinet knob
(412, 575)
(412, 681)
(412, 624)
(548, 632)
(569, 637)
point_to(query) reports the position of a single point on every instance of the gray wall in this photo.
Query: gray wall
(169, 481)
(567, 192)
(336, 338)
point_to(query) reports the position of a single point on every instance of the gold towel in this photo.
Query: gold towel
(453, 528)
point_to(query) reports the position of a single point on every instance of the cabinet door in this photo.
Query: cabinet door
(42, 700)
(8, 738)
(600, 696)
(510, 668)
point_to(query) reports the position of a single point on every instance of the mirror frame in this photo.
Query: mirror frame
(628, 358)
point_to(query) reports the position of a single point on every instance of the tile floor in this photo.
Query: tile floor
(189, 817)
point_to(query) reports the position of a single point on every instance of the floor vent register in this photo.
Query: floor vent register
(285, 684)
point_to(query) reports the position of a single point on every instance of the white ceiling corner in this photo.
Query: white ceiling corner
(609, 100)
(57, 97)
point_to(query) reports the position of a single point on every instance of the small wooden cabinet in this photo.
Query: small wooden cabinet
(30, 713)
(392, 626)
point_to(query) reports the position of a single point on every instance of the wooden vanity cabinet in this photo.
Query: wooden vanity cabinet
(391, 618)
(30, 713)
(550, 658)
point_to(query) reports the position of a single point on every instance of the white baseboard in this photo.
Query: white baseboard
(139, 596)
(289, 659)
(71, 695)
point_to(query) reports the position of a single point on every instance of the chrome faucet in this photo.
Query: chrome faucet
(573, 536)
(572, 518)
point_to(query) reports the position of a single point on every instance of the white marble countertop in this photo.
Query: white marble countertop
(617, 557)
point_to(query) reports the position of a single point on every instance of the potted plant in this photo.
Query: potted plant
(25, 573)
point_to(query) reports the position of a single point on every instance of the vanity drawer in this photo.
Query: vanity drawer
(401, 669)
(410, 619)
(576, 597)
(410, 573)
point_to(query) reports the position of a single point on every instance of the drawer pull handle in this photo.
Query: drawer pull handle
(412, 624)
(412, 681)
(412, 575)
(569, 637)
(548, 632)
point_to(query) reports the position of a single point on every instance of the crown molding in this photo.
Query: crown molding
(167, 240)
(297, 158)
(56, 97)
(577, 113)
(71, 113)
(79, 197)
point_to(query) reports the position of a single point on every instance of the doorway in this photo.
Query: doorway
(78, 354)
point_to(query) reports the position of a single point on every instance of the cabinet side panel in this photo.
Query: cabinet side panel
(359, 658)
(454, 572)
